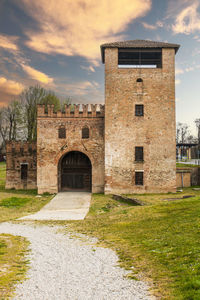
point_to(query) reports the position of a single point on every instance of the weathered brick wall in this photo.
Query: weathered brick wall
(18, 153)
(155, 131)
(51, 149)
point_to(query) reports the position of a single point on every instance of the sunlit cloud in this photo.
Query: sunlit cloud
(37, 75)
(9, 89)
(179, 71)
(8, 42)
(79, 27)
(177, 81)
(188, 19)
(158, 24)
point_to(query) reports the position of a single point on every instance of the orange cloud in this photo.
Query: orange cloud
(79, 27)
(9, 89)
(188, 20)
(8, 42)
(37, 75)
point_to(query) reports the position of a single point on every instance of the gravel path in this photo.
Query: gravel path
(62, 267)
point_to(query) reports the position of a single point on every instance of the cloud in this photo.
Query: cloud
(79, 27)
(179, 71)
(177, 81)
(37, 75)
(8, 42)
(9, 89)
(80, 88)
(153, 27)
(89, 68)
(149, 26)
(188, 20)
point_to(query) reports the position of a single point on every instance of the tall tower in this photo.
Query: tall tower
(140, 144)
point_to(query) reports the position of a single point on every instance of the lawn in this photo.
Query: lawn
(15, 204)
(159, 241)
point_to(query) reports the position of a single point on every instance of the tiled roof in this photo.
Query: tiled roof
(137, 44)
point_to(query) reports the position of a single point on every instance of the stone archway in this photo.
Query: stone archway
(75, 170)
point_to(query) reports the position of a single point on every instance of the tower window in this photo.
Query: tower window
(139, 154)
(139, 110)
(24, 171)
(139, 178)
(139, 80)
(85, 133)
(62, 133)
(140, 58)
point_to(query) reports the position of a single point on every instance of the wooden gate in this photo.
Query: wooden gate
(76, 172)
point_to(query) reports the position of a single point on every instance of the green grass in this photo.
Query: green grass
(14, 202)
(181, 165)
(13, 264)
(161, 240)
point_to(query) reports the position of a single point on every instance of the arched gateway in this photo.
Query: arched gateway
(75, 172)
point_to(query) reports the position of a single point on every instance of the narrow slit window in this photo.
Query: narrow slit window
(62, 133)
(139, 178)
(85, 133)
(139, 156)
(24, 171)
(139, 110)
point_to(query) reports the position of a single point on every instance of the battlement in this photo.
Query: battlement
(21, 147)
(72, 111)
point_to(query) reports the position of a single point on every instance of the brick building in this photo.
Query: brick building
(125, 146)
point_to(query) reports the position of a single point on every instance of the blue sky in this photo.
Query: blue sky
(56, 44)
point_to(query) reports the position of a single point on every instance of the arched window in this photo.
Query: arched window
(85, 133)
(139, 80)
(62, 133)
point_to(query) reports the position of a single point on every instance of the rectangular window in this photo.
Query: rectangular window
(62, 133)
(24, 171)
(140, 58)
(139, 110)
(139, 154)
(139, 178)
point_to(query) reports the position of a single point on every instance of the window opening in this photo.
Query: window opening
(139, 58)
(139, 110)
(85, 133)
(62, 133)
(139, 154)
(24, 171)
(139, 178)
(139, 80)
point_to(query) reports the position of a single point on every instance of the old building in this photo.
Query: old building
(126, 146)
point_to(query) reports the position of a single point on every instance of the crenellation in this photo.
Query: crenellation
(71, 111)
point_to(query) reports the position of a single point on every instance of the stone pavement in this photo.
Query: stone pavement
(64, 206)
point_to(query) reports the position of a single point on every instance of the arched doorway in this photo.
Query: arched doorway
(76, 172)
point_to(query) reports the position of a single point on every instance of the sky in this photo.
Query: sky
(56, 44)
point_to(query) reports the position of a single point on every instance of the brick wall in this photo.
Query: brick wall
(51, 149)
(18, 153)
(155, 131)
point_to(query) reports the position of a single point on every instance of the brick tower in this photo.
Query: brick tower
(140, 146)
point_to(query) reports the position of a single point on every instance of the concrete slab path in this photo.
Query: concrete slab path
(64, 206)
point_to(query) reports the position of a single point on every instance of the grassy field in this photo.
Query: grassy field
(14, 204)
(159, 241)
(181, 165)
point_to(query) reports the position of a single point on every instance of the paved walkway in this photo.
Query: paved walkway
(64, 206)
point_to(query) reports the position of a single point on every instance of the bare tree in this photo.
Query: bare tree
(197, 122)
(182, 132)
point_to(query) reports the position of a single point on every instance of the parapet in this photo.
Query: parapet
(19, 147)
(72, 111)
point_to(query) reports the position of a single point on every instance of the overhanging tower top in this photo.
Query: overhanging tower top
(137, 44)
